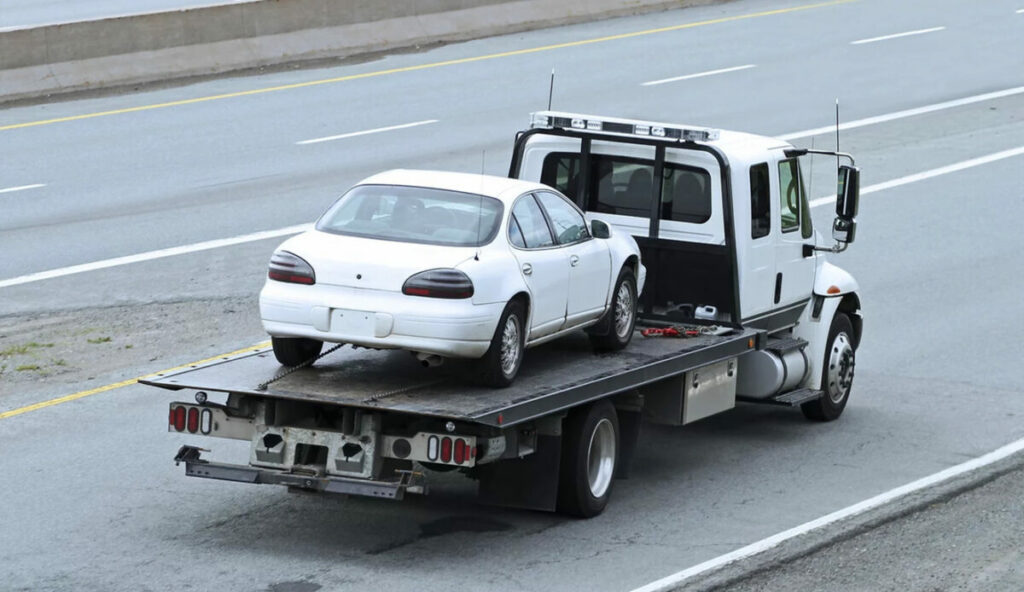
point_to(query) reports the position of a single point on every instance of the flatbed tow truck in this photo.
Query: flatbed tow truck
(740, 305)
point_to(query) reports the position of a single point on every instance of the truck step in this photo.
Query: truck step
(797, 397)
(785, 344)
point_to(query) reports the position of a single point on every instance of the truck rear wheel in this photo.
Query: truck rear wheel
(590, 455)
(836, 372)
(292, 351)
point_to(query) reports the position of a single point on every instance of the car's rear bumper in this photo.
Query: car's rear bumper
(450, 328)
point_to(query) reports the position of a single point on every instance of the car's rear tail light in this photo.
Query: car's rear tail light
(439, 283)
(288, 267)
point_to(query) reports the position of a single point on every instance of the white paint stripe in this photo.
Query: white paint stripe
(698, 75)
(22, 188)
(150, 255)
(1021, 11)
(906, 113)
(295, 229)
(898, 35)
(366, 132)
(952, 168)
(675, 579)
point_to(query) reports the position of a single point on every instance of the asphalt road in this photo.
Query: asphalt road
(91, 500)
(31, 13)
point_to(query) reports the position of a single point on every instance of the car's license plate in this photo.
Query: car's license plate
(352, 322)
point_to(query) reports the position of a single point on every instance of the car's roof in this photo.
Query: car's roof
(488, 185)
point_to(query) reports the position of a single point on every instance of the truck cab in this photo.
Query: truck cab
(724, 226)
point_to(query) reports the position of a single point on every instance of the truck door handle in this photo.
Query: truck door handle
(527, 269)
(574, 260)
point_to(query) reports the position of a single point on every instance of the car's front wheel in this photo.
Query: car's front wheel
(292, 351)
(621, 316)
(502, 360)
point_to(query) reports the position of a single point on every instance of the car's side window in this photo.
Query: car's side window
(515, 234)
(569, 224)
(529, 219)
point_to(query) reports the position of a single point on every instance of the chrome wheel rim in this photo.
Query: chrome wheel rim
(623, 311)
(601, 458)
(841, 362)
(510, 345)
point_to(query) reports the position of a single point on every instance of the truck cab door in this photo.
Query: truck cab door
(794, 268)
(543, 264)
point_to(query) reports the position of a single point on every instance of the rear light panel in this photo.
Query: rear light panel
(442, 449)
(290, 268)
(209, 419)
(439, 283)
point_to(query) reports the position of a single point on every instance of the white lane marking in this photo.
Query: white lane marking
(698, 75)
(952, 168)
(1021, 11)
(905, 113)
(775, 540)
(898, 35)
(296, 229)
(150, 255)
(22, 188)
(365, 132)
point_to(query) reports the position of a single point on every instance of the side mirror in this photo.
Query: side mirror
(848, 192)
(599, 229)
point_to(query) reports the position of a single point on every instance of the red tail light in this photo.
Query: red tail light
(179, 418)
(460, 452)
(439, 283)
(193, 420)
(446, 449)
(290, 268)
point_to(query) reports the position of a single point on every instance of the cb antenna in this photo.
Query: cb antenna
(551, 88)
(837, 133)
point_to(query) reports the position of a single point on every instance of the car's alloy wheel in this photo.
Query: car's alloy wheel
(625, 310)
(511, 345)
(615, 330)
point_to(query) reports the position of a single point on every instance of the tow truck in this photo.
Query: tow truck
(741, 305)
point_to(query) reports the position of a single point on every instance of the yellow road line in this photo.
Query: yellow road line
(468, 60)
(117, 385)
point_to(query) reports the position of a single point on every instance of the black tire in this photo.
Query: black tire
(836, 372)
(292, 351)
(588, 466)
(502, 360)
(620, 319)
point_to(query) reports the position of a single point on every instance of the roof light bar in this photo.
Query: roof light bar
(613, 125)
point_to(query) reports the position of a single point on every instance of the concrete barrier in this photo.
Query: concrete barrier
(116, 51)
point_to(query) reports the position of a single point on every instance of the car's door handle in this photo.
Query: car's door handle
(574, 260)
(527, 269)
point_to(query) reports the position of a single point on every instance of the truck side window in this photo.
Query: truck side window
(790, 194)
(561, 171)
(531, 222)
(686, 194)
(760, 201)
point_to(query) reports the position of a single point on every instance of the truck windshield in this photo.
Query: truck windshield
(415, 215)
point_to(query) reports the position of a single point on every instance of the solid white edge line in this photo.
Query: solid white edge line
(150, 255)
(366, 132)
(1020, 11)
(698, 75)
(905, 113)
(952, 168)
(775, 540)
(22, 188)
(897, 35)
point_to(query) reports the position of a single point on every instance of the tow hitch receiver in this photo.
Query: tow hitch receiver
(196, 466)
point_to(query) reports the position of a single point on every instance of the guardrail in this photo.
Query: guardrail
(142, 48)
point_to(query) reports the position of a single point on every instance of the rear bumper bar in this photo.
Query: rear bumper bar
(195, 466)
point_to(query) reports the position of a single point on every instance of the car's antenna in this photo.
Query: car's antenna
(551, 88)
(480, 204)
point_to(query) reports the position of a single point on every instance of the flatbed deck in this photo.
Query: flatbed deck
(553, 377)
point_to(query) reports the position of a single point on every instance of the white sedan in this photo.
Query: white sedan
(451, 265)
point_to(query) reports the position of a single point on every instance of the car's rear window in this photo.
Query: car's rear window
(414, 215)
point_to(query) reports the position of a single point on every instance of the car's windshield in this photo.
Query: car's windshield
(415, 215)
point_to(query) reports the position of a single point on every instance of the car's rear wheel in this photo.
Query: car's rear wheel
(502, 360)
(621, 316)
(292, 351)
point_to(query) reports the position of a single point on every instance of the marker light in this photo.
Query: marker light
(833, 290)
(629, 127)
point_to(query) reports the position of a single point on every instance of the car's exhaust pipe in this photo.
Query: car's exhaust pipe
(429, 360)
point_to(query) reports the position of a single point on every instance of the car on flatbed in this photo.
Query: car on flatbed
(451, 265)
(740, 304)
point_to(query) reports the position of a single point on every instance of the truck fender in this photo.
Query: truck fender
(813, 328)
(831, 280)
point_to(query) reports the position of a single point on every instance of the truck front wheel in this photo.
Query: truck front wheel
(292, 351)
(836, 373)
(590, 454)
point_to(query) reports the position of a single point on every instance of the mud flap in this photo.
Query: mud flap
(530, 482)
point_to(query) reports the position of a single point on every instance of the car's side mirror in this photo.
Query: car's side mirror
(599, 229)
(844, 229)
